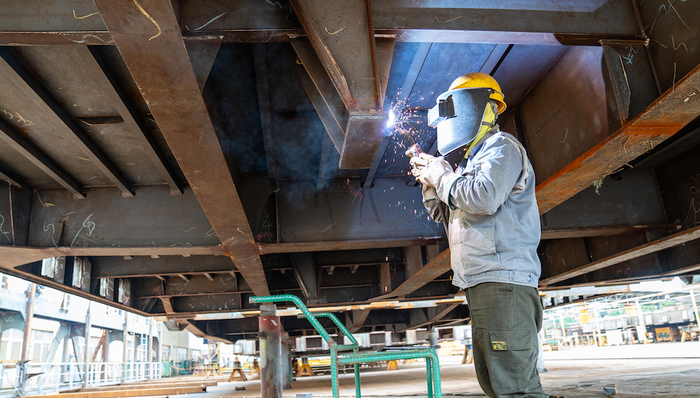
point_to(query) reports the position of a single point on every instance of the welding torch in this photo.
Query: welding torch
(415, 151)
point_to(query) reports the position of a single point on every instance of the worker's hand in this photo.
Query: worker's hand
(433, 171)
(418, 163)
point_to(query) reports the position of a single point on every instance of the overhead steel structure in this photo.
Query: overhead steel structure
(185, 155)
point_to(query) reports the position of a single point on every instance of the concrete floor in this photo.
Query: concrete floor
(671, 370)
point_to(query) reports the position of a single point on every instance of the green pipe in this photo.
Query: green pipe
(334, 372)
(429, 376)
(428, 354)
(358, 393)
(294, 299)
(337, 322)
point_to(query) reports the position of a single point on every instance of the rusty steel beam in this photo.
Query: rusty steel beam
(265, 106)
(330, 27)
(648, 248)
(664, 117)
(131, 116)
(20, 75)
(202, 52)
(422, 21)
(302, 247)
(431, 315)
(143, 266)
(15, 140)
(146, 35)
(321, 92)
(603, 231)
(174, 286)
(10, 177)
(358, 319)
(438, 266)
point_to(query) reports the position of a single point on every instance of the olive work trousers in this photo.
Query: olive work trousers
(505, 321)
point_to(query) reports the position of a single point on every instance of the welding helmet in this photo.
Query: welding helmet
(459, 112)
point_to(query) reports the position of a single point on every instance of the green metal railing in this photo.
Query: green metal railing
(356, 358)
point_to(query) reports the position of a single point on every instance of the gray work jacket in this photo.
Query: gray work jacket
(492, 215)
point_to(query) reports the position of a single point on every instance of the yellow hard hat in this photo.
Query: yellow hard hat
(481, 80)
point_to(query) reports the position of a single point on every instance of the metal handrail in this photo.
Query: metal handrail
(337, 322)
(355, 358)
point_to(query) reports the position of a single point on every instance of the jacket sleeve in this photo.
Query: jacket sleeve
(484, 189)
(436, 208)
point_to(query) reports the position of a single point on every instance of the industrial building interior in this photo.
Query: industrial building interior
(173, 159)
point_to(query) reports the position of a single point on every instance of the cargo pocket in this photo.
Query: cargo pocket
(511, 341)
(512, 360)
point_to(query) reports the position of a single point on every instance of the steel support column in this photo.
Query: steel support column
(27, 335)
(86, 351)
(125, 346)
(271, 356)
(145, 40)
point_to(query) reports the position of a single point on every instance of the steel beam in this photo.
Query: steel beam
(321, 92)
(118, 97)
(423, 21)
(663, 118)
(330, 27)
(648, 248)
(202, 52)
(304, 268)
(265, 106)
(19, 75)
(37, 157)
(604, 231)
(117, 267)
(358, 319)
(145, 39)
(197, 285)
(8, 176)
(421, 317)
(431, 271)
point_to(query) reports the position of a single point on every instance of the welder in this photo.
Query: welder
(488, 204)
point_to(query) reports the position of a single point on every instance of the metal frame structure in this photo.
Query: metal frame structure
(201, 152)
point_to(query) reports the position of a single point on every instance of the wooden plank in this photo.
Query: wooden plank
(648, 248)
(151, 385)
(132, 392)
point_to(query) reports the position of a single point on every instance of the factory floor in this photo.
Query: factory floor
(671, 370)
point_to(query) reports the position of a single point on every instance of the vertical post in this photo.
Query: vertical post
(286, 364)
(64, 356)
(271, 368)
(597, 325)
(125, 340)
(334, 372)
(695, 307)
(149, 347)
(86, 351)
(642, 323)
(433, 337)
(2, 315)
(563, 329)
(160, 350)
(136, 366)
(105, 355)
(26, 338)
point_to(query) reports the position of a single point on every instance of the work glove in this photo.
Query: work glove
(429, 170)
